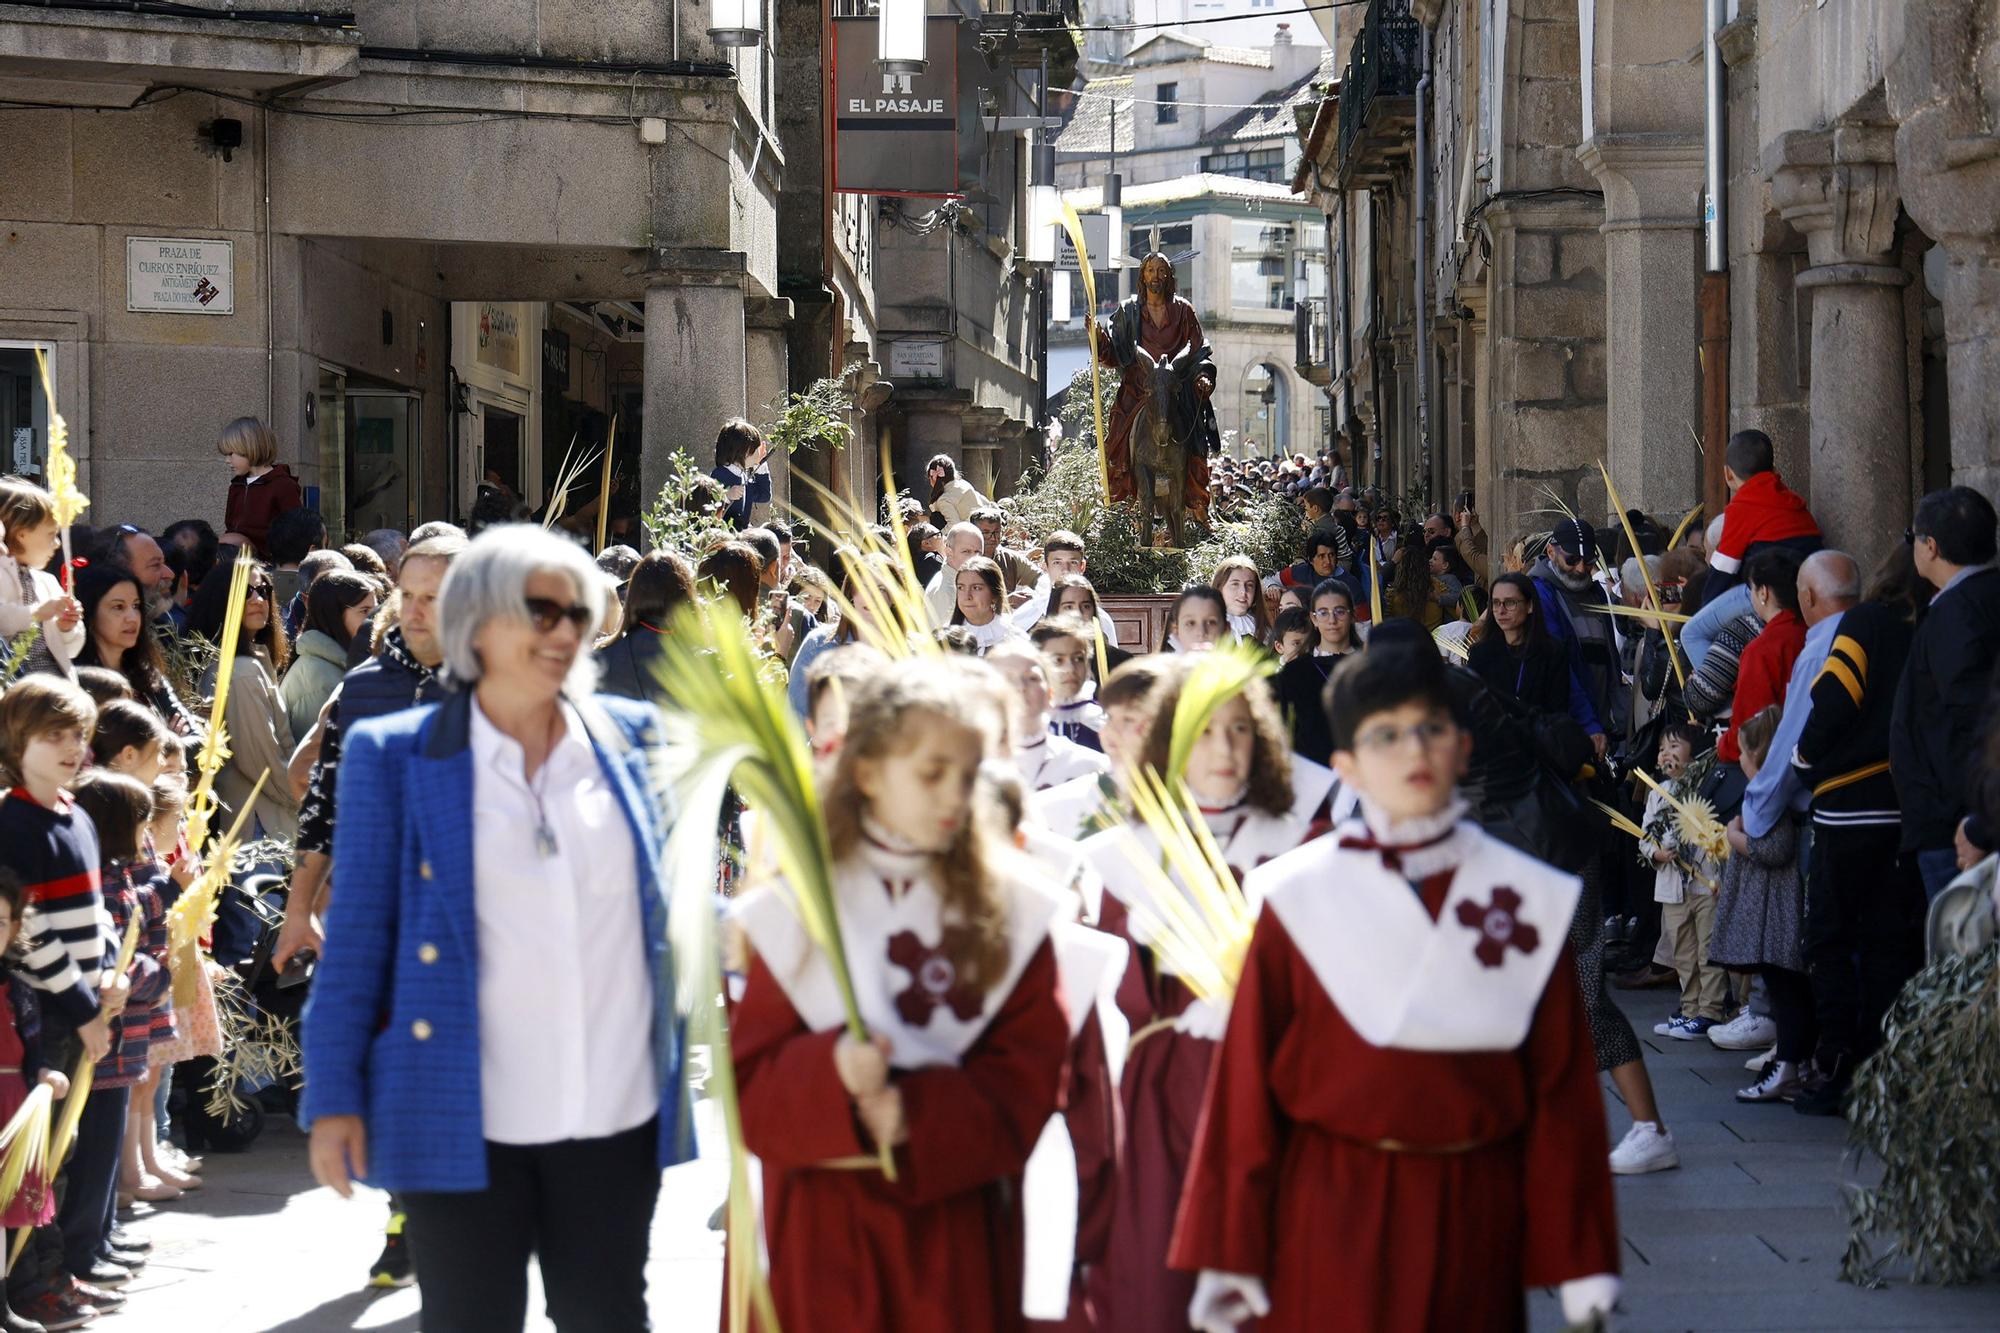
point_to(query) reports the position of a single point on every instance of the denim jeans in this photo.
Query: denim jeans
(1699, 634)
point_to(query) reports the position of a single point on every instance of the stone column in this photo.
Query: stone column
(695, 358)
(767, 383)
(1838, 187)
(1939, 88)
(1652, 276)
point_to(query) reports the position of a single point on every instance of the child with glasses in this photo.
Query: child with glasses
(1403, 1129)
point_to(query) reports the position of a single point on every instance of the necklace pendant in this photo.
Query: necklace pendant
(545, 840)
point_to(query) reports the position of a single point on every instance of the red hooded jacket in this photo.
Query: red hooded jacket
(255, 501)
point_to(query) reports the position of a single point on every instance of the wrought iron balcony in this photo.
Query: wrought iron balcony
(1378, 92)
(1313, 358)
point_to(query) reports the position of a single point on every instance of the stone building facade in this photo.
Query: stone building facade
(450, 238)
(1562, 260)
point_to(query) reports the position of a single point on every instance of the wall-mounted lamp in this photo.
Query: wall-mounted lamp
(1114, 218)
(735, 22)
(899, 37)
(1044, 206)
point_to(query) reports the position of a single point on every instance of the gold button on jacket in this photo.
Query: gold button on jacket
(427, 953)
(421, 1030)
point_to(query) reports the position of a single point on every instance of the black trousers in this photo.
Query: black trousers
(88, 1206)
(583, 1207)
(1793, 1011)
(1863, 936)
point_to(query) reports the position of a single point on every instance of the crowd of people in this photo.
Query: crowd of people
(1788, 758)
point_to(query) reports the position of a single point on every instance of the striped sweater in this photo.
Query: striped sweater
(1843, 753)
(54, 851)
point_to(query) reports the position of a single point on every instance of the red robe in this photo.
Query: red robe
(1291, 1183)
(940, 1250)
(1160, 1096)
(1181, 329)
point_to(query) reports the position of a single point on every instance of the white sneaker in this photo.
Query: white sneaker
(1758, 1063)
(1669, 1026)
(1645, 1147)
(1781, 1082)
(1745, 1032)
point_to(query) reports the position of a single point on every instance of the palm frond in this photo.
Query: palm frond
(1216, 677)
(214, 751)
(1641, 613)
(1187, 904)
(604, 485)
(735, 728)
(1374, 582)
(1652, 593)
(194, 911)
(568, 476)
(24, 1146)
(1694, 819)
(897, 617)
(1620, 820)
(693, 931)
(1681, 531)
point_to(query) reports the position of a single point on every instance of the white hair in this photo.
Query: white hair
(1629, 575)
(489, 580)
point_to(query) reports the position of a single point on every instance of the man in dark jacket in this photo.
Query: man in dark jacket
(401, 674)
(1563, 579)
(1935, 732)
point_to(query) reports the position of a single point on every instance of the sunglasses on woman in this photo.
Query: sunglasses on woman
(545, 614)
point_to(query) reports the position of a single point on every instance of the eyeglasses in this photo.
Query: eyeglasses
(1387, 737)
(1332, 612)
(545, 614)
(260, 591)
(1508, 603)
(129, 530)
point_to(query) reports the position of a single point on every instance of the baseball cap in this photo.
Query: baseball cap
(1575, 536)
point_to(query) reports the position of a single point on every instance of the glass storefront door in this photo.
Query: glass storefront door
(384, 465)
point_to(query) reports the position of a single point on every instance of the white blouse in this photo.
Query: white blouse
(565, 998)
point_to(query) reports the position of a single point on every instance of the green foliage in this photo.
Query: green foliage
(811, 419)
(683, 515)
(1269, 529)
(1924, 1104)
(17, 650)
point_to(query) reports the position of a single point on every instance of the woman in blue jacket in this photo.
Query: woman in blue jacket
(492, 1032)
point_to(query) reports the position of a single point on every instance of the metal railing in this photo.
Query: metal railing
(1383, 62)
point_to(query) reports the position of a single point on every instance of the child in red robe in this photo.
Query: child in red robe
(955, 979)
(1404, 1128)
(1240, 770)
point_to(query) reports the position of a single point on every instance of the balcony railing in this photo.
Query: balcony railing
(1382, 63)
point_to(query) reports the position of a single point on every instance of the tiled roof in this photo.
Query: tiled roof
(1275, 115)
(1254, 57)
(1089, 128)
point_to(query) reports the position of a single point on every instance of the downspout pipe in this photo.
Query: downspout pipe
(1421, 249)
(1715, 332)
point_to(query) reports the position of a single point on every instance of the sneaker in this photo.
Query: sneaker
(392, 1269)
(1692, 1029)
(1745, 1032)
(1761, 1061)
(131, 1259)
(53, 1310)
(1645, 1147)
(1780, 1083)
(124, 1239)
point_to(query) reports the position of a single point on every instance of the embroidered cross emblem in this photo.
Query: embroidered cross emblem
(1499, 927)
(933, 979)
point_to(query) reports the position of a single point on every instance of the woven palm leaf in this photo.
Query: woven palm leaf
(24, 1146)
(897, 619)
